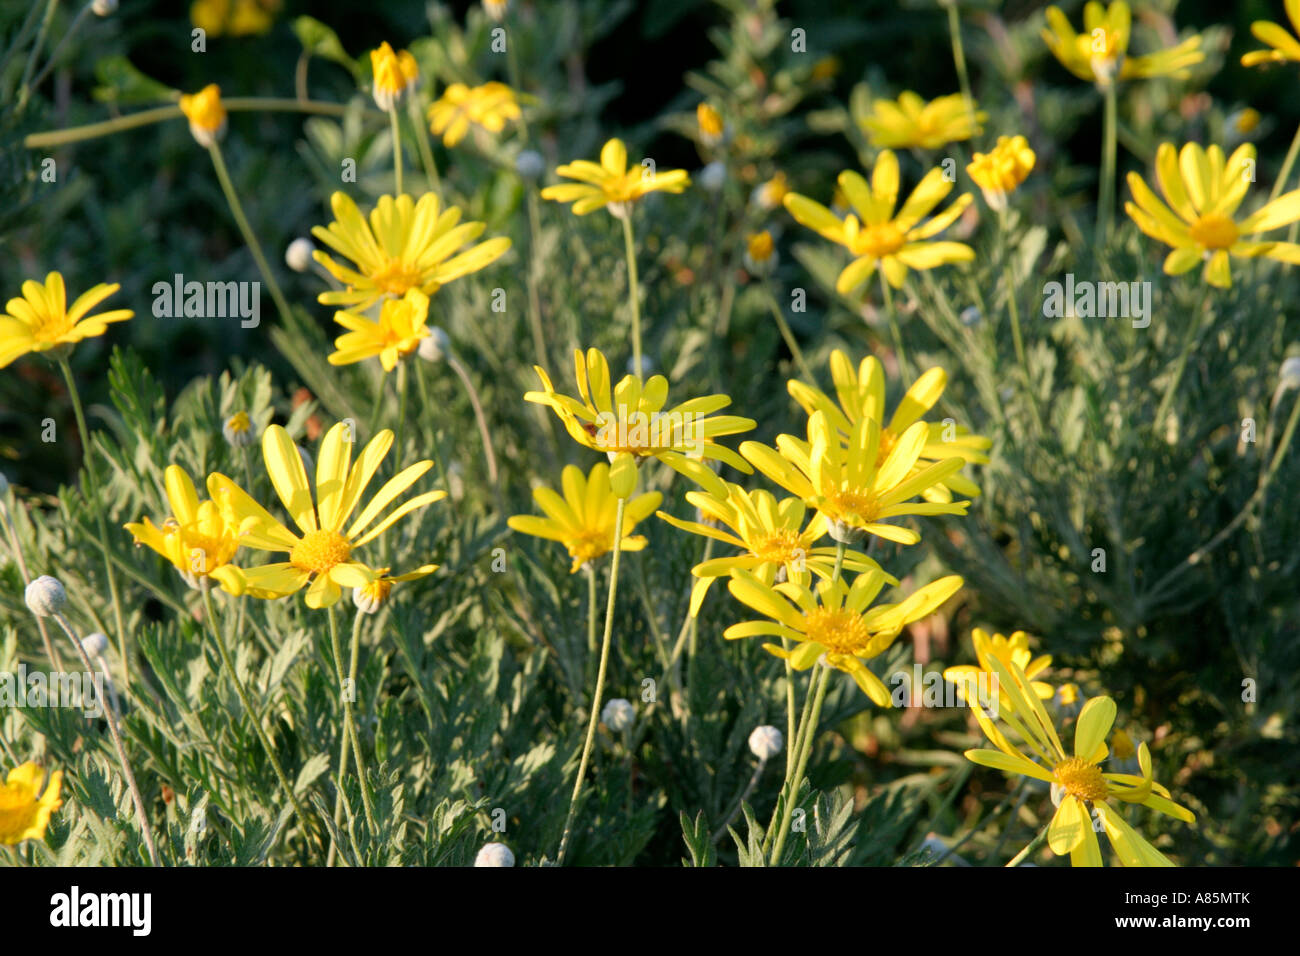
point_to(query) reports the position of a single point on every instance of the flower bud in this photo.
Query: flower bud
(238, 430)
(529, 164)
(618, 714)
(103, 8)
(970, 315)
(766, 742)
(494, 854)
(435, 346)
(713, 176)
(94, 644)
(298, 255)
(1289, 375)
(45, 596)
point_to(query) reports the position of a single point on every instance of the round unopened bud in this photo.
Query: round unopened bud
(618, 714)
(1289, 375)
(529, 164)
(435, 346)
(713, 176)
(647, 366)
(94, 644)
(45, 596)
(970, 315)
(766, 742)
(845, 533)
(494, 854)
(298, 255)
(103, 8)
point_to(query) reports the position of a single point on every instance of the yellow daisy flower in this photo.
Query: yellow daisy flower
(234, 18)
(206, 114)
(396, 335)
(771, 536)
(394, 74)
(893, 241)
(488, 107)
(1284, 47)
(40, 319)
(861, 394)
(1203, 191)
(849, 483)
(628, 423)
(911, 123)
(322, 554)
(710, 123)
(1079, 785)
(998, 172)
(405, 245)
(199, 539)
(972, 680)
(611, 184)
(835, 620)
(1100, 52)
(24, 810)
(583, 519)
(773, 192)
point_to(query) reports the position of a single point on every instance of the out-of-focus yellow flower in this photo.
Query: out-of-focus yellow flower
(760, 253)
(1121, 745)
(850, 483)
(496, 9)
(998, 172)
(234, 17)
(206, 114)
(583, 519)
(394, 74)
(405, 245)
(974, 680)
(611, 184)
(861, 394)
(771, 193)
(199, 538)
(394, 336)
(710, 123)
(323, 554)
(24, 809)
(1283, 46)
(893, 241)
(629, 424)
(770, 534)
(488, 107)
(1100, 52)
(40, 319)
(835, 620)
(824, 69)
(911, 123)
(1079, 786)
(1246, 121)
(1203, 191)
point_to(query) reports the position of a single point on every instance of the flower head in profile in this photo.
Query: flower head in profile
(238, 430)
(1100, 52)
(973, 679)
(610, 184)
(370, 597)
(25, 809)
(199, 538)
(836, 620)
(998, 172)
(861, 394)
(394, 74)
(234, 18)
(628, 423)
(206, 114)
(40, 319)
(889, 237)
(583, 519)
(488, 107)
(772, 193)
(710, 124)
(1283, 46)
(911, 123)
(850, 483)
(760, 253)
(403, 245)
(1079, 785)
(397, 333)
(320, 556)
(1203, 192)
(772, 537)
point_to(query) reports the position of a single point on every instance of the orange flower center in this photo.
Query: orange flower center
(396, 277)
(880, 240)
(856, 503)
(320, 551)
(1081, 779)
(839, 630)
(781, 547)
(1214, 231)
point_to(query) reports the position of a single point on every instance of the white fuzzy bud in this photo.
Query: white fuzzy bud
(104, 8)
(647, 366)
(970, 315)
(766, 742)
(713, 176)
(617, 714)
(435, 346)
(529, 164)
(45, 596)
(1289, 375)
(494, 854)
(94, 644)
(298, 255)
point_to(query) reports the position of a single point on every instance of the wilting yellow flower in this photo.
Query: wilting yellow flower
(771, 193)
(1203, 191)
(771, 535)
(850, 484)
(834, 620)
(1100, 52)
(710, 123)
(199, 539)
(394, 74)
(583, 520)
(234, 17)
(861, 394)
(24, 810)
(40, 319)
(894, 242)
(972, 680)
(322, 555)
(1079, 785)
(629, 424)
(406, 245)
(998, 172)
(370, 597)
(611, 184)
(488, 107)
(396, 335)
(206, 114)
(912, 123)
(1284, 46)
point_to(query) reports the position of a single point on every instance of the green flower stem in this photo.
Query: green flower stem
(531, 275)
(809, 738)
(425, 146)
(97, 505)
(788, 335)
(789, 708)
(892, 314)
(344, 739)
(223, 176)
(1106, 193)
(795, 746)
(1033, 846)
(54, 53)
(594, 719)
(1287, 166)
(1009, 275)
(228, 662)
(349, 721)
(485, 433)
(959, 59)
(160, 114)
(26, 86)
(633, 292)
(51, 652)
(396, 128)
(112, 719)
